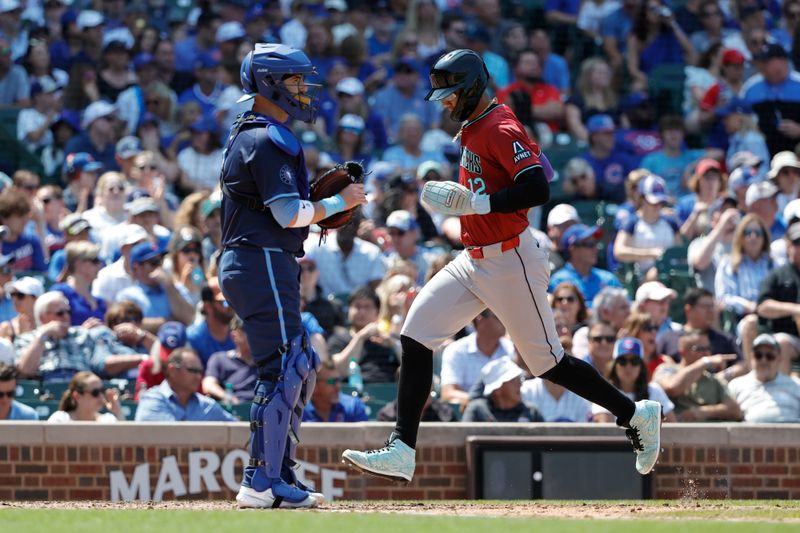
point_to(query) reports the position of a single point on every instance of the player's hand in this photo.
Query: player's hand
(353, 195)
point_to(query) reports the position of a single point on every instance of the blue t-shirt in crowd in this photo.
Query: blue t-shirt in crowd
(79, 307)
(671, 168)
(153, 301)
(204, 344)
(347, 409)
(27, 252)
(7, 311)
(20, 411)
(556, 72)
(597, 280)
(610, 174)
(160, 404)
(617, 24)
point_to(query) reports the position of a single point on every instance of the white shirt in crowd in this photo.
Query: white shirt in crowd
(568, 408)
(339, 275)
(201, 170)
(462, 360)
(28, 120)
(654, 392)
(111, 280)
(774, 401)
(63, 416)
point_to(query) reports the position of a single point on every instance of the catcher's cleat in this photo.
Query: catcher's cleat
(645, 434)
(279, 496)
(396, 461)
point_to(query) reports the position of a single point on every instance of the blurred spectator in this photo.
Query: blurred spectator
(434, 410)
(150, 175)
(741, 131)
(130, 101)
(562, 16)
(212, 333)
(325, 310)
(82, 266)
(401, 193)
(347, 139)
(118, 275)
(144, 211)
(23, 292)
(109, 210)
(765, 394)
(15, 89)
(404, 234)
(651, 230)
(375, 351)
(696, 208)
(463, 359)
(740, 273)
(773, 96)
(39, 66)
(602, 336)
(116, 74)
(655, 39)
(55, 351)
(784, 171)
(202, 42)
(6, 274)
(672, 160)
(11, 409)
(718, 95)
(654, 298)
(712, 19)
(546, 104)
(612, 305)
(579, 243)
(48, 212)
(628, 373)
(211, 225)
(761, 200)
(351, 100)
(176, 399)
(705, 253)
(697, 395)
(479, 40)
(403, 96)
(615, 28)
(555, 70)
(65, 126)
(85, 398)
(555, 403)
(33, 123)
(560, 218)
(569, 309)
(610, 164)
(590, 17)
(100, 134)
(80, 173)
(407, 153)
(123, 333)
(187, 266)
(329, 404)
(502, 399)
(154, 291)
(26, 249)
(346, 262)
(231, 375)
(171, 336)
(166, 63)
(396, 292)
(594, 95)
(200, 162)
(642, 326)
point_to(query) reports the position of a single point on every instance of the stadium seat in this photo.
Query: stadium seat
(241, 411)
(44, 408)
(128, 410)
(13, 154)
(385, 392)
(373, 406)
(54, 391)
(29, 390)
(666, 88)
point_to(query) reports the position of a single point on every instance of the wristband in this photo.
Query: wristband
(332, 205)
(480, 204)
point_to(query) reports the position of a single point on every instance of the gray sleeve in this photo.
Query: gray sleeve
(285, 209)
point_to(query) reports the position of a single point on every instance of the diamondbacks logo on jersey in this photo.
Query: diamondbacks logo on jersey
(520, 152)
(286, 174)
(470, 161)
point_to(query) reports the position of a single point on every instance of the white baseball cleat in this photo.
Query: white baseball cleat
(290, 498)
(645, 434)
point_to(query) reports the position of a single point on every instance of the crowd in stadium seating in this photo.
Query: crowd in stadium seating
(674, 225)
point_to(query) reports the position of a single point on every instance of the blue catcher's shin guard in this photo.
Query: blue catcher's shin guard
(289, 457)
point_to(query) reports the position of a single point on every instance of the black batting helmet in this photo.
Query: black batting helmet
(459, 70)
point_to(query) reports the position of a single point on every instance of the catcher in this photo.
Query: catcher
(266, 211)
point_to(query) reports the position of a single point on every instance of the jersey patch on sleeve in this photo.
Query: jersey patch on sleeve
(520, 152)
(286, 175)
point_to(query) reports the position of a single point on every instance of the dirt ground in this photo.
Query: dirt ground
(719, 510)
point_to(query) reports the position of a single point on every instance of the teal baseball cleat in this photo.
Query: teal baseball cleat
(645, 434)
(396, 461)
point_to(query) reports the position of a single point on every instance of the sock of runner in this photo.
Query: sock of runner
(581, 378)
(416, 376)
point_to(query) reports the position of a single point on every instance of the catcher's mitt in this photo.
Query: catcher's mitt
(331, 183)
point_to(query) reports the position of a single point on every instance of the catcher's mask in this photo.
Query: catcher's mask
(462, 72)
(264, 70)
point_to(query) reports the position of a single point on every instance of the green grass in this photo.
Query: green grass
(755, 516)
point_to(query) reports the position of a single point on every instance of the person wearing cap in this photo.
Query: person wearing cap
(690, 384)
(707, 184)
(771, 95)
(406, 153)
(234, 367)
(212, 333)
(126, 150)
(212, 224)
(463, 359)
(187, 264)
(579, 244)
(33, 123)
(560, 219)
(765, 394)
(706, 252)
(56, 351)
(146, 212)
(176, 399)
(646, 234)
(761, 199)
(153, 289)
(116, 75)
(83, 263)
(403, 95)
(203, 41)
(501, 400)
(15, 89)
(654, 298)
(207, 87)
(23, 292)
(131, 101)
(545, 99)
(629, 374)
(170, 337)
(610, 165)
(200, 162)
(347, 141)
(671, 161)
(81, 171)
(784, 171)
(404, 233)
(228, 37)
(26, 248)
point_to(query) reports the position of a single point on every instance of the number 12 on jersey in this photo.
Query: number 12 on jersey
(476, 185)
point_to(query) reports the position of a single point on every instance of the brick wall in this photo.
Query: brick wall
(74, 462)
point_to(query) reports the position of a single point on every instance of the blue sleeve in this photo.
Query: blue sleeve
(152, 408)
(218, 414)
(56, 265)
(284, 210)
(38, 255)
(273, 170)
(674, 224)
(311, 324)
(611, 280)
(359, 411)
(630, 224)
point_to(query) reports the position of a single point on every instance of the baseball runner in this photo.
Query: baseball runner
(265, 217)
(502, 175)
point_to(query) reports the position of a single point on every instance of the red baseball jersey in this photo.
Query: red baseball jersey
(494, 150)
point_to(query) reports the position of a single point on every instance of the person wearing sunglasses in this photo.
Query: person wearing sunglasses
(328, 403)
(15, 211)
(579, 245)
(82, 266)
(212, 333)
(11, 409)
(628, 373)
(84, 400)
(765, 395)
(49, 206)
(24, 292)
(569, 308)
(109, 211)
(186, 262)
(601, 345)
(176, 399)
(698, 396)
(641, 326)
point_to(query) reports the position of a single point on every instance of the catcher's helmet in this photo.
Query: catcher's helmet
(463, 71)
(263, 71)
